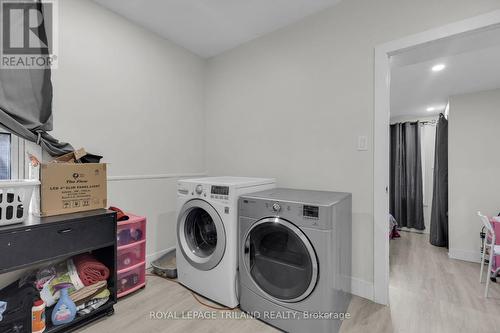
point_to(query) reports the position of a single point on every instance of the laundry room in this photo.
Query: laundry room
(189, 165)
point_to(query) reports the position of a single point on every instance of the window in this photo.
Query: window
(5, 156)
(10, 146)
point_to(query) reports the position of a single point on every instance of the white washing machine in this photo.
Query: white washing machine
(207, 234)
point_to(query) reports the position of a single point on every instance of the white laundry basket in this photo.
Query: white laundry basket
(15, 196)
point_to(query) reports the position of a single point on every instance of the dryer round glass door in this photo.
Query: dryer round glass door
(201, 234)
(280, 260)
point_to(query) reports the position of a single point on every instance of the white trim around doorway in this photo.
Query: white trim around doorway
(381, 135)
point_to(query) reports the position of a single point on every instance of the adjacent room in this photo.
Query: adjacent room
(444, 103)
(254, 166)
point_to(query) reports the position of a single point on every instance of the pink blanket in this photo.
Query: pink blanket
(90, 270)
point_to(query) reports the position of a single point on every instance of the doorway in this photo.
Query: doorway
(427, 41)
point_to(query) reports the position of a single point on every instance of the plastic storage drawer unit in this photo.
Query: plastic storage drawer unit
(131, 256)
(131, 231)
(131, 279)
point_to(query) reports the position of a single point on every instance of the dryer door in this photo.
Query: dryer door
(201, 235)
(280, 260)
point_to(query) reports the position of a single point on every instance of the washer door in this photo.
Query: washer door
(280, 260)
(201, 234)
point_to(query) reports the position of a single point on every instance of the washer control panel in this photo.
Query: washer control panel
(204, 191)
(219, 192)
(199, 189)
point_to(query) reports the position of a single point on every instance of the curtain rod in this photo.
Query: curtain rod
(426, 122)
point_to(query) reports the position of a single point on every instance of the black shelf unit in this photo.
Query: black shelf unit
(47, 239)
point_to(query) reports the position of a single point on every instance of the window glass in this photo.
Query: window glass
(279, 261)
(5, 158)
(201, 233)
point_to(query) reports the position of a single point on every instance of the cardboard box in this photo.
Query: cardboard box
(71, 187)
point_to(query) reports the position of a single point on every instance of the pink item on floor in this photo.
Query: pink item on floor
(393, 228)
(495, 267)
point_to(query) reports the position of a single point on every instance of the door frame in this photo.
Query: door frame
(383, 53)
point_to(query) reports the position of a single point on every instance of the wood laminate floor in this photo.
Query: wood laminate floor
(428, 293)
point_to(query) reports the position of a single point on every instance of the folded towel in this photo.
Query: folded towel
(93, 303)
(88, 292)
(91, 306)
(90, 270)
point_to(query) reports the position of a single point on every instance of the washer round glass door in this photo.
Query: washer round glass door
(201, 234)
(280, 259)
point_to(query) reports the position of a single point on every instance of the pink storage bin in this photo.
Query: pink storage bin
(131, 255)
(131, 231)
(495, 267)
(131, 279)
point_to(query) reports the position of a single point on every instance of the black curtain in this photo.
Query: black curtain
(406, 198)
(26, 103)
(439, 214)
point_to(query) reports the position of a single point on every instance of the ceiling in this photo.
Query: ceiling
(472, 64)
(210, 27)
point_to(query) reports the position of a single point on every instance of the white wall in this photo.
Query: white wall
(291, 104)
(474, 168)
(288, 105)
(125, 93)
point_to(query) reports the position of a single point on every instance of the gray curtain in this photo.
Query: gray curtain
(439, 214)
(406, 198)
(26, 105)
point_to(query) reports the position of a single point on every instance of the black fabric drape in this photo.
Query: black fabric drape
(406, 198)
(439, 214)
(26, 105)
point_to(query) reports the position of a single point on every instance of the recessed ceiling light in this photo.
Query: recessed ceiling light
(438, 67)
(436, 108)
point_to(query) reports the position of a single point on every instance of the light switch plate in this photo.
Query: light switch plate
(362, 143)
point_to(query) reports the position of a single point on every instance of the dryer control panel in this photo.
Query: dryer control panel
(310, 212)
(304, 215)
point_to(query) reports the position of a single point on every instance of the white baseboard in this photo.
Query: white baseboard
(155, 255)
(362, 288)
(472, 256)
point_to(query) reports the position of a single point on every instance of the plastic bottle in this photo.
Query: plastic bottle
(65, 310)
(38, 317)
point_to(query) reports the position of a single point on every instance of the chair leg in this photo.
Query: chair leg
(490, 263)
(482, 262)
